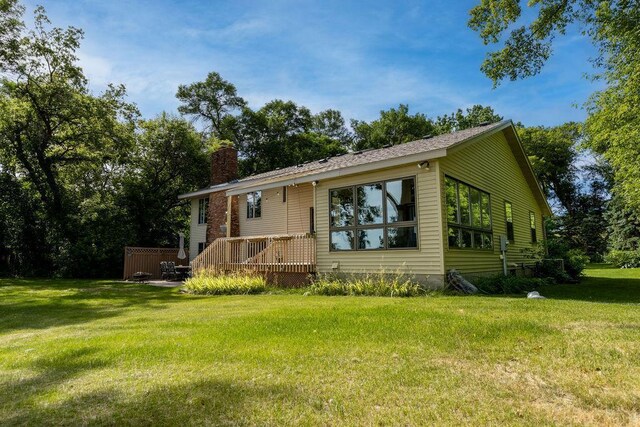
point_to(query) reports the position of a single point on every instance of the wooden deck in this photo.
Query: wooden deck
(281, 253)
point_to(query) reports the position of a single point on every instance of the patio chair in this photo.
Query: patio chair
(168, 270)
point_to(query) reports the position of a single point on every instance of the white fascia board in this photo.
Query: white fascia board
(206, 191)
(504, 124)
(352, 170)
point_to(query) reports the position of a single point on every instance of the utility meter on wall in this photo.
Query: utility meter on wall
(504, 243)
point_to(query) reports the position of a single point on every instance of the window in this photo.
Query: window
(254, 204)
(532, 225)
(468, 216)
(380, 215)
(201, 247)
(508, 215)
(203, 211)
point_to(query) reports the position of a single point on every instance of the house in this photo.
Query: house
(423, 208)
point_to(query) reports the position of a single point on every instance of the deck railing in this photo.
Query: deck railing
(287, 253)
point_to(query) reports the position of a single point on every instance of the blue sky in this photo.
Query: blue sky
(355, 56)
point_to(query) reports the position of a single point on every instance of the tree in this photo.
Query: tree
(213, 101)
(474, 116)
(580, 191)
(395, 126)
(56, 139)
(282, 134)
(623, 225)
(331, 124)
(613, 125)
(553, 154)
(169, 159)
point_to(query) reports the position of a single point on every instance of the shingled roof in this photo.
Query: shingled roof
(435, 146)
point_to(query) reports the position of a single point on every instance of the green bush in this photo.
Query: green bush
(575, 260)
(240, 283)
(378, 284)
(510, 284)
(624, 259)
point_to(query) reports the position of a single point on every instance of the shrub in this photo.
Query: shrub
(510, 284)
(239, 283)
(378, 284)
(624, 259)
(575, 260)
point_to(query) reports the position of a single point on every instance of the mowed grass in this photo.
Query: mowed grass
(97, 352)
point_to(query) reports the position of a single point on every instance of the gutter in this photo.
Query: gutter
(340, 172)
(208, 190)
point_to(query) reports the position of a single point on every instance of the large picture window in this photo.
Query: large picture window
(203, 208)
(379, 215)
(254, 204)
(468, 216)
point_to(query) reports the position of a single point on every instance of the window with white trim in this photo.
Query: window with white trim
(254, 204)
(203, 210)
(468, 216)
(379, 215)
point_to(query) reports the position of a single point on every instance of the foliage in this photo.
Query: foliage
(370, 284)
(460, 120)
(579, 192)
(213, 101)
(501, 284)
(238, 283)
(553, 154)
(613, 125)
(282, 134)
(623, 225)
(575, 260)
(61, 145)
(624, 259)
(80, 176)
(395, 126)
(169, 158)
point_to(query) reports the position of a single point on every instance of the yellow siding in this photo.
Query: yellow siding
(491, 166)
(299, 201)
(274, 215)
(278, 217)
(424, 261)
(197, 233)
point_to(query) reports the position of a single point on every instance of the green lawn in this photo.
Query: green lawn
(96, 352)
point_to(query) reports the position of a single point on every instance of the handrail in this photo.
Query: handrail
(270, 253)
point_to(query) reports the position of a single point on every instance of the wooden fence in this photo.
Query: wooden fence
(148, 260)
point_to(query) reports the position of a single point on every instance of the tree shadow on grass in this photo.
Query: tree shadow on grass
(597, 289)
(40, 304)
(203, 402)
(51, 371)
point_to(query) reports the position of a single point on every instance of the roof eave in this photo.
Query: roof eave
(206, 191)
(340, 172)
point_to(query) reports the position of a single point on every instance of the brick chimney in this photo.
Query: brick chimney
(224, 165)
(224, 168)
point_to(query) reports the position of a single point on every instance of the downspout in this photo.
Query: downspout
(229, 205)
(315, 211)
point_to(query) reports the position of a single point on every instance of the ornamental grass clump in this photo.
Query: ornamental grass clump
(237, 283)
(378, 284)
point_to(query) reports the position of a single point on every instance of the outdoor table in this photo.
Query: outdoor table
(183, 271)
